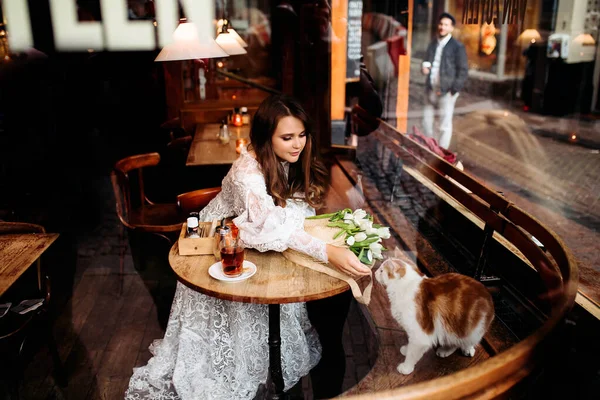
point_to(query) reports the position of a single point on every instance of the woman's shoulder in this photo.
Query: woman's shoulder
(246, 167)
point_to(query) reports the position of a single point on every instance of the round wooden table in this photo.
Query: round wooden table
(276, 281)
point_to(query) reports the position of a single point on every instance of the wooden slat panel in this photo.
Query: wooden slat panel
(420, 152)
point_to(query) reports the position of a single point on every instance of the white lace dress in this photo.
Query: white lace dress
(217, 349)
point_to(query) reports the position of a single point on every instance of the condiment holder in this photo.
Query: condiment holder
(201, 245)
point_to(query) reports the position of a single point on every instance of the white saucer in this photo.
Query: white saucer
(216, 271)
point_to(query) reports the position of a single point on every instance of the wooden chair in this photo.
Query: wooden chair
(196, 200)
(180, 144)
(16, 330)
(173, 127)
(135, 210)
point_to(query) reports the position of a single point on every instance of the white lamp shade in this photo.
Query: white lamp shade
(584, 39)
(232, 31)
(229, 44)
(186, 45)
(237, 37)
(529, 36)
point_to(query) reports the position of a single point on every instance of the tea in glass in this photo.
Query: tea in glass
(232, 257)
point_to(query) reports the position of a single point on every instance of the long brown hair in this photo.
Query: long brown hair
(308, 175)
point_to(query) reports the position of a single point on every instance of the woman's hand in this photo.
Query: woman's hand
(345, 260)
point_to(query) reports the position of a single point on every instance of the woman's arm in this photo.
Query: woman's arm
(346, 261)
(265, 226)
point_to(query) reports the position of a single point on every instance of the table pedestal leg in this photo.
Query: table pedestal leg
(275, 352)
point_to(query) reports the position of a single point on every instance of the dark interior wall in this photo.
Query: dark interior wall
(68, 117)
(65, 119)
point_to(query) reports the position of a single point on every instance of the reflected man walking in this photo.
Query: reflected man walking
(446, 69)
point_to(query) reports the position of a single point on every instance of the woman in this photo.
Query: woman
(215, 349)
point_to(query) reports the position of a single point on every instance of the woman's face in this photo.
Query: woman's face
(289, 139)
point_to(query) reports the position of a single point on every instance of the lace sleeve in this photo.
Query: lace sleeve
(265, 226)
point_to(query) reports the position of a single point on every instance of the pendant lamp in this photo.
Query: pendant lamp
(188, 45)
(232, 31)
(529, 36)
(228, 42)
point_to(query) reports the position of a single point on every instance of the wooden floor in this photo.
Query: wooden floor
(106, 331)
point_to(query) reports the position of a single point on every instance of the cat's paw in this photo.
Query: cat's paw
(469, 352)
(444, 352)
(405, 368)
(403, 350)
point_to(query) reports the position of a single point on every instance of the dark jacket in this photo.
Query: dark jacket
(454, 68)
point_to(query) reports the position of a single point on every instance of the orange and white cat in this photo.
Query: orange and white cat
(450, 311)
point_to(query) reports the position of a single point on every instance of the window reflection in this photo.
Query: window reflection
(525, 121)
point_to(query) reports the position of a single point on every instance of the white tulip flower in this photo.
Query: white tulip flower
(350, 240)
(360, 236)
(376, 249)
(375, 246)
(384, 232)
(359, 214)
(372, 231)
(348, 216)
(365, 224)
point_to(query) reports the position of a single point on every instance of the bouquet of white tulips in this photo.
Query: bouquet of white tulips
(363, 237)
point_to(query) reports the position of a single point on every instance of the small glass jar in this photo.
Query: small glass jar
(245, 116)
(224, 135)
(192, 227)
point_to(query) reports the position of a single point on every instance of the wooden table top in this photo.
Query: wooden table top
(206, 149)
(276, 280)
(18, 252)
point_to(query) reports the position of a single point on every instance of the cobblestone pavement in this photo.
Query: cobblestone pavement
(534, 160)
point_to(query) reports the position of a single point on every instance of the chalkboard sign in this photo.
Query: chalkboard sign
(354, 50)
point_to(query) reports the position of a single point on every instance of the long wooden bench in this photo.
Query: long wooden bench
(505, 359)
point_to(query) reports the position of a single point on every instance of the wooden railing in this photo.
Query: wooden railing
(555, 267)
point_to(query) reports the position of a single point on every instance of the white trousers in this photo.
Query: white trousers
(443, 107)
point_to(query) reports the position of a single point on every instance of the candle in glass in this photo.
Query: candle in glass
(237, 119)
(239, 143)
